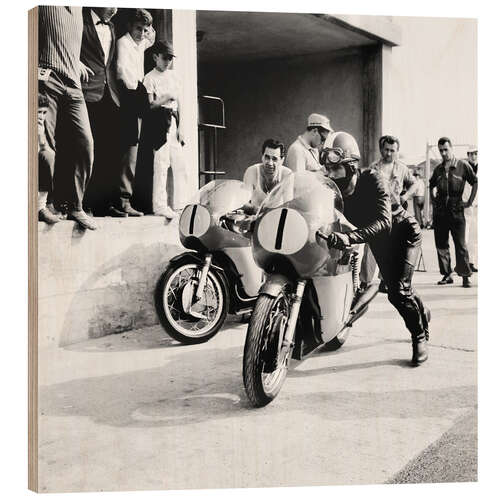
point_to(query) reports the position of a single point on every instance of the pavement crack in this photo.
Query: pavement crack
(451, 348)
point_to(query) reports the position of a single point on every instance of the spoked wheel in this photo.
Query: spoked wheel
(265, 359)
(184, 317)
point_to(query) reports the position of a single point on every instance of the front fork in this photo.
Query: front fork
(203, 276)
(292, 319)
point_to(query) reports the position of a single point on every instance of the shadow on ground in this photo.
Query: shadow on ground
(203, 385)
(147, 338)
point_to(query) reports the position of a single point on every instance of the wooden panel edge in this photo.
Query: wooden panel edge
(32, 251)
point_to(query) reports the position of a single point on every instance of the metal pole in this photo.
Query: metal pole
(427, 205)
(215, 152)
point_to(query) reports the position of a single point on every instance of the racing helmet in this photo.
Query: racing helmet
(344, 149)
(344, 153)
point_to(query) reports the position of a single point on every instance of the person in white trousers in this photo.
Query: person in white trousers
(471, 214)
(169, 173)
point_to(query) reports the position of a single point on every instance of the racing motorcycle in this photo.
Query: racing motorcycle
(218, 275)
(311, 295)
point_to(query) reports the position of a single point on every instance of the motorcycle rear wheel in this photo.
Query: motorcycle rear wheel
(269, 314)
(179, 324)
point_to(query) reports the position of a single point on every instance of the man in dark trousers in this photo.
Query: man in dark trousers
(446, 189)
(67, 122)
(393, 235)
(99, 89)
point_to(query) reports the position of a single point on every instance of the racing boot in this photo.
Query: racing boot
(419, 342)
(419, 349)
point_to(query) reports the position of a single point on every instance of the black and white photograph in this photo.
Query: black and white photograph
(253, 249)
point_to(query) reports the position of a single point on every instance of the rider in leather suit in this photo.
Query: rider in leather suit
(393, 235)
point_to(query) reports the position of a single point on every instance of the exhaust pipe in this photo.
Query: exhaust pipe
(362, 301)
(360, 307)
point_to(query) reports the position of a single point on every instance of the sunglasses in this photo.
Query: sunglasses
(333, 157)
(323, 135)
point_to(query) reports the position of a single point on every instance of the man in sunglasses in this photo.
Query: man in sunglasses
(393, 235)
(303, 154)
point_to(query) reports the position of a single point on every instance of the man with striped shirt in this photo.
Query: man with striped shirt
(67, 122)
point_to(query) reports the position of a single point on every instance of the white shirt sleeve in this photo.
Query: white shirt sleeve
(295, 161)
(149, 83)
(125, 64)
(250, 178)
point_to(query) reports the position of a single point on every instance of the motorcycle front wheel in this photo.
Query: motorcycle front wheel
(204, 317)
(265, 363)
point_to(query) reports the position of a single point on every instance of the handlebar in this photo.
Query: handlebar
(238, 222)
(322, 235)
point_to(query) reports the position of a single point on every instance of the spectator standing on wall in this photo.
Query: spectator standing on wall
(303, 154)
(446, 190)
(67, 122)
(133, 99)
(169, 172)
(101, 96)
(471, 214)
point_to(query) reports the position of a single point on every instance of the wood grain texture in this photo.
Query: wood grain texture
(32, 251)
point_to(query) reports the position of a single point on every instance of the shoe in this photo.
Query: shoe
(473, 268)
(466, 282)
(131, 211)
(446, 280)
(56, 212)
(45, 215)
(115, 212)
(167, 212)
(382, 288)
(83, 219)
(419, 351)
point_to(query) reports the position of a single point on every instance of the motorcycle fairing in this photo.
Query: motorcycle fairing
(308, 331)
(335, 294)
(288, 221)
(248, 271)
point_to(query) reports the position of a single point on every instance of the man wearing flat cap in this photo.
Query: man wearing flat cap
(164, 91)
(303, 154)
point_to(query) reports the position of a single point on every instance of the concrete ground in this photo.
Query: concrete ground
(138, 411)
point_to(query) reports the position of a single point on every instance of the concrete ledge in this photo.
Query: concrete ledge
(94, 283)
(377, 28)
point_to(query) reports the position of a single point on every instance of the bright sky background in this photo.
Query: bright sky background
(434, 83)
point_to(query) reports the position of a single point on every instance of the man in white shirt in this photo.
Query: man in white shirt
(418, 192)
(262, 177)
(303, 154)
(133, 98)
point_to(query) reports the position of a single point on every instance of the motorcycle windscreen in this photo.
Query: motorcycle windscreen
(290, 216)
(199, 223)
(222, 196)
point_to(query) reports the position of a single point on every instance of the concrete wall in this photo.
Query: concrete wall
(273, 98)
(184, 41)
(93, 283)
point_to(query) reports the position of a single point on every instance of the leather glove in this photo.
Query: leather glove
(340, 241)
